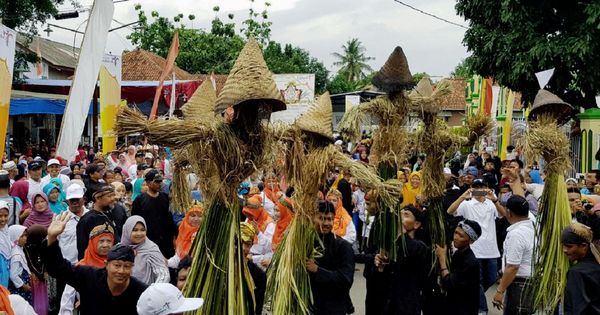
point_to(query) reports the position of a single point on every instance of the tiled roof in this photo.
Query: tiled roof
(54, 53)
(141, 65)
(456, 100)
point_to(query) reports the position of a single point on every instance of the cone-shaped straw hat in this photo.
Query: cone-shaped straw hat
(250, 79)
(424, 98)
(201, 105)
(318, 118)
(395, 75)
(546, 103)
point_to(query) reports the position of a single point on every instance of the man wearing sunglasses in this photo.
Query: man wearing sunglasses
(68, 239)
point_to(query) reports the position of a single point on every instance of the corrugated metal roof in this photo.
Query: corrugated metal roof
(54, 53)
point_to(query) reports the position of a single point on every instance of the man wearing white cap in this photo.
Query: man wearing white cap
(164, 299)
(54, 172)
(13, 171)
(68, 239)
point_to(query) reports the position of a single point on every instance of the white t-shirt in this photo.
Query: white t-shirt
(63, 178)
(263, 249)
(268, 204)
(132, 171)
(485, 214)
(518, 247)
(34, 189)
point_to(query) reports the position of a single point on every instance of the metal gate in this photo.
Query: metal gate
(575, 154)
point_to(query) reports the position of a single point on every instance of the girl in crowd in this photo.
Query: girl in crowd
(150, 265)
(56, 196)
(342, 221)
(19, 270)
(5, 245)
(33, 248)
(411, 192)
(101, 241)
(20, 189)
(286, 214)
(41, 213)
(262, 250)
(187, 232)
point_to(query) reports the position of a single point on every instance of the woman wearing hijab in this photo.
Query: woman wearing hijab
(33, 248)
(150, 265)
(20, 189)
(123, 163)
(187, 232)
(41, 213)
(286, 215)
(411, 191)
(342, 221)
(130, 157)
(262, 250)
(101, 241)
(19, 269)
(56, 196)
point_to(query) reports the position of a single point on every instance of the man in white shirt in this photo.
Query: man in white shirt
(12, 170)
(68, 239)
(34, 178)
(133, 168)
(517, 259)
(481, 205)
(54, 172)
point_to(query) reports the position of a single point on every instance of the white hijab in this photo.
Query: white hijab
(17, 254)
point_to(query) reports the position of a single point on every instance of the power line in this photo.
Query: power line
(429, 14)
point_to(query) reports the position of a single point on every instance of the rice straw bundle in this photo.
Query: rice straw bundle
(545, 139)
(424, 99)
(478, 125)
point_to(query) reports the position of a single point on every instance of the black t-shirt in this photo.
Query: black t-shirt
(161, 227)
(91, 283)
(115, 218)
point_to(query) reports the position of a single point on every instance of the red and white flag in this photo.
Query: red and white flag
(173, 52)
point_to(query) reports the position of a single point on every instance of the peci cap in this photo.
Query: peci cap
(165, 298)
(121, 252)
(10, 165)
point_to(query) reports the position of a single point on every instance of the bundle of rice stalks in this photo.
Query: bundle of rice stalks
(479, 125)
(545, 139)
(180, 191)
(387, 225)
(424, 99)
(349, 126)
(391, 144)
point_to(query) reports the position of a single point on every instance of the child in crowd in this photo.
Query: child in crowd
(5, 244)
(19, 270)
(56, 197)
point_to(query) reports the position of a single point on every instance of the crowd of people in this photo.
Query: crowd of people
(101, 233)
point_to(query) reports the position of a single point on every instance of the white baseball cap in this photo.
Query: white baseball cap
(165, 298)
(149, 156)
(53, 162)
(4, 205)
(74, 192)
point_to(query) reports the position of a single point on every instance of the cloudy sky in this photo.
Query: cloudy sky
(319, 26)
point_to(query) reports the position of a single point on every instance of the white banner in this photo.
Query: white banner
(544, 77)
(113, 64)
(86, 75)
(298, 90)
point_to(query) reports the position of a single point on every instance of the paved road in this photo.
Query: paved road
(358, 292)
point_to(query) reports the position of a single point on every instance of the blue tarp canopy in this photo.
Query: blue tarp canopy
(29, 103)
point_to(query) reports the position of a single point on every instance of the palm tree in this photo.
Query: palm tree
(353, 61)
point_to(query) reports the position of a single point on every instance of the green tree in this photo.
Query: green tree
(512, 40)
(257, 25)
(463, 70)
(27, 15)
(420, 75)
(353, 61)
(217, 50)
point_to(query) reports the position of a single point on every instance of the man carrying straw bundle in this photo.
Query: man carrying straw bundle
(219, 274)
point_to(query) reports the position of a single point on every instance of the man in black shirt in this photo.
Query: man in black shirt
(153, 206)
(460, 280)
(106, 210)
(92, 184)
(332, 274)
(110, 290)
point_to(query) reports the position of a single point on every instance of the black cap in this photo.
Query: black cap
(92, 168)
(103, 190)
(420, 216)
(121, 252)
(518, 205)
(153, 176)
(142, 167)
(479, 183)
(139, 154)
(35, 165)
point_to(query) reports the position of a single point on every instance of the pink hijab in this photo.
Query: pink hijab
(20, 189)
(43, 218)
(130, 157)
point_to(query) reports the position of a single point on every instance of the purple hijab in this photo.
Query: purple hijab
(43, 218)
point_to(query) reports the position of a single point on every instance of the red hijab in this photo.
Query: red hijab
(91, 256)
(187, 232)
(254, 211)
(20, 189)
(285, 218)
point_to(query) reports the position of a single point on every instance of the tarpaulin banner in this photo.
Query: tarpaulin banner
(7, 61)
(86, 76)
(110, 98)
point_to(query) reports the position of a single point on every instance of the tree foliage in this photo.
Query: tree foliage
(420, 75)
(216, 50)
(463, 70)
(26, 15)
(512, 40)
(353, 61)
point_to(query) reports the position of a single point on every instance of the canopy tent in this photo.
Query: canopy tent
(29, 103)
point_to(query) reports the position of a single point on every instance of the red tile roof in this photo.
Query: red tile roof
(141, 65)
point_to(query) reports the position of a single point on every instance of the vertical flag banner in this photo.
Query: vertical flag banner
(7, 62)
(39, 66)
(86, 75)
(110, 99)
(485, 104)
(173, 52)
(507, 124)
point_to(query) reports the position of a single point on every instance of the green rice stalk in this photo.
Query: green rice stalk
(388, 224)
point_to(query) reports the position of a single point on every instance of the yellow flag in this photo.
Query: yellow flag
(110, 99)
(507, 124)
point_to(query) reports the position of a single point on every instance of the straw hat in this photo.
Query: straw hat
(318, 118)
(201, 105)
(424, 98)
(395, 75)
(250, 79)
(548, 103)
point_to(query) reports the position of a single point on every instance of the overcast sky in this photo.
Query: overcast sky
(319, 26)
